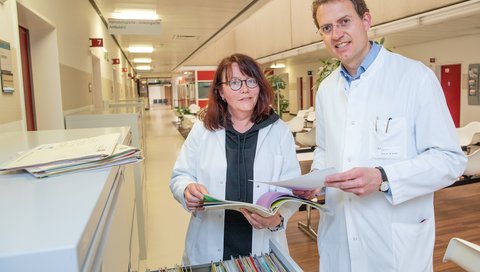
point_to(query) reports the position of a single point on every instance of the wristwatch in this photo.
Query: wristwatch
(384, 186)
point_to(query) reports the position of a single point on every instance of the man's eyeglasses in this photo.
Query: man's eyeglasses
(343, 24)
(236, 84)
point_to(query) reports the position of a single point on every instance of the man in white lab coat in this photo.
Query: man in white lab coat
(383, 123)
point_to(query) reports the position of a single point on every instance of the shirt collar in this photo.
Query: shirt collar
(367, 61)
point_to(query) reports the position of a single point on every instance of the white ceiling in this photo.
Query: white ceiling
(185, 26)
(203, 20)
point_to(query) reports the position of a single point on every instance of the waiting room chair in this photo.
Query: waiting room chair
(473, 164)
(296, 124)
(194, 109)
(469, 134)
(304, 113)
(306, 138)
(465, 254)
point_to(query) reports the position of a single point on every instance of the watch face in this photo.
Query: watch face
(384, 186)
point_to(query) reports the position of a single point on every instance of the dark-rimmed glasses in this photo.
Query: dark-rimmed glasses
(236, 84)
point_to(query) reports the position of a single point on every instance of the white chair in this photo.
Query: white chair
(304, 113)
(194, 109)
(469, 134)
(306, 138)
(465, 254)
(296, 124)
(311, 116)
(473, 164)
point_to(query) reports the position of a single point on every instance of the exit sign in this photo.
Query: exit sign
(96, 42)
(115, 61)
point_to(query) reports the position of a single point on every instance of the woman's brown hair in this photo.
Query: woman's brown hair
(216, 115)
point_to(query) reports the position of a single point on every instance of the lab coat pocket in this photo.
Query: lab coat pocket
(387, 139)
(413, 246)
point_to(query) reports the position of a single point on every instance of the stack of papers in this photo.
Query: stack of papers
(73, 156)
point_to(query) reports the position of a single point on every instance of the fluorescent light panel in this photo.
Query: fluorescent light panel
(277, 66)
(135, 14)
(142, 60)
(140, 49)
(144, 67)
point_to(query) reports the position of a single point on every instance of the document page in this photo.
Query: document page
(312, 180)
(93, 148)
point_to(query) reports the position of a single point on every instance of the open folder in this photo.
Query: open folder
(266, 206)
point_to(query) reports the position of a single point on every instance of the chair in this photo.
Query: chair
(296, 124)
(465, 254)
(311, 116)
(194, 109)
(306, 138)
(304, 113)
(469, 134)
(473, 164)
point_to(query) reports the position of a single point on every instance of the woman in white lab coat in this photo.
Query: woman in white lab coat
(239, 138)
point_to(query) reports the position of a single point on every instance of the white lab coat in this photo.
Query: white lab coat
(394, 116)
(202, 159)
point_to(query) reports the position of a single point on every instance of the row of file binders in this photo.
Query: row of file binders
(264, 263)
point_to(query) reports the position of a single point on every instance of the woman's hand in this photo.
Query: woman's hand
(193, 195)
(259, 222)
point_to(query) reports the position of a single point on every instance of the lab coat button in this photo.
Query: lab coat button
(219, 250)
(355, 239)
(353, 123)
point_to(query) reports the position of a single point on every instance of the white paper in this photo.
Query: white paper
(312, 180)
(87, 149)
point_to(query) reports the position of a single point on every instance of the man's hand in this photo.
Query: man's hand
(193, 195)
(360, 180)
(259, 222)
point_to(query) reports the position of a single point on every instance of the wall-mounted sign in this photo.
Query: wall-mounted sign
(124, 69)
(115, 61)
(6, 82)
(5, 56)
(134, 27)
(96, 42)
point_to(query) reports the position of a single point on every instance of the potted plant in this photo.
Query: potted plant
(280, 102)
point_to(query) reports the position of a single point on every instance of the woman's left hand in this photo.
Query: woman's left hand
(259, 222)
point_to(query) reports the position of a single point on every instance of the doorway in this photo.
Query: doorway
(450, 81)
(24, 36)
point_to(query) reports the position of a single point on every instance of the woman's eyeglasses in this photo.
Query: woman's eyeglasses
(236, 84)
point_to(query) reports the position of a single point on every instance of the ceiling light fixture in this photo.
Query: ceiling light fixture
(135, 14)
(277, 65)
(140, 49)
(144, 67)
(142, 60)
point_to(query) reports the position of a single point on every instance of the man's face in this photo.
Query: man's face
(344, 32)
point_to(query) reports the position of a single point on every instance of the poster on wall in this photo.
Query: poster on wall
(5, 56)
(7, 82)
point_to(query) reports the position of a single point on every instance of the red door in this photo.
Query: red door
(450, 80)
(300, 92)
(27, 80)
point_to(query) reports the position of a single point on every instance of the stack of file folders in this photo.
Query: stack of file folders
(264, 263)
(73, 156)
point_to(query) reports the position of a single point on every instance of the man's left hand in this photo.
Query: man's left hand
(360, 180)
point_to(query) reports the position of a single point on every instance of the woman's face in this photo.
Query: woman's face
(242, 101)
